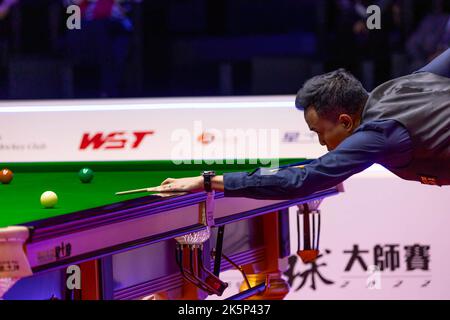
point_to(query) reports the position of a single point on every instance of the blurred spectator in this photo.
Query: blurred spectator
(383, 43)
(103, 41)
(343, 43)
(431, 38)
(354, 45)
(5, 6)
(5, 37)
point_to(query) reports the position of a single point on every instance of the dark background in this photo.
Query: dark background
(210, 47)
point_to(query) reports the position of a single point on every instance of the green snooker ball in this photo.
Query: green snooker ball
(86, 175)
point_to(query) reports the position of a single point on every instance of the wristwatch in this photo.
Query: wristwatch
(207, 176)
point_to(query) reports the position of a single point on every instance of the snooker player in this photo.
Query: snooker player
(403, 124)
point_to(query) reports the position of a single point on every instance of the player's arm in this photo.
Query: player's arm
(390, 146)
(385, 142)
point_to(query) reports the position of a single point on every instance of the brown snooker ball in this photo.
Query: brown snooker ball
(6, 176)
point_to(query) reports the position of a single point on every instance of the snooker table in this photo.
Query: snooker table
(124, 245)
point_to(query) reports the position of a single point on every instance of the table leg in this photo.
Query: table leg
(268, 271)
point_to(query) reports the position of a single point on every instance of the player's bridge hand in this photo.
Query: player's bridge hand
(192, 184)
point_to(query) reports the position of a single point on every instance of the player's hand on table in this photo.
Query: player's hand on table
(192, 184)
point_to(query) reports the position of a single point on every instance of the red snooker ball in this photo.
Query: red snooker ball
(6, 176)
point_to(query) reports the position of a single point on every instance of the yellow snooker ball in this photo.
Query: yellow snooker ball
(49, 199)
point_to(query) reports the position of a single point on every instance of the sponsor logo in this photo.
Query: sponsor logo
(206, 138)
(46, 256)
(113, 140)
(291, 136)
(63, 250)
(299, 137)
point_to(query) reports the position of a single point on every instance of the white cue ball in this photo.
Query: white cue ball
(49, 199)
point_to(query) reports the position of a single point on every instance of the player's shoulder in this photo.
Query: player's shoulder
(380, 126)
(421, 81)
(422, 74)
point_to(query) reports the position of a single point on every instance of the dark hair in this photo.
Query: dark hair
(332, 94)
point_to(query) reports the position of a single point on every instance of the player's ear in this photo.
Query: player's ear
(346, 121)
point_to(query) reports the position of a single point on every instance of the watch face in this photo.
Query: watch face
(208, 173)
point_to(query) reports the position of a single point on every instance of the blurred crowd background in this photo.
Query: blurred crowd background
(155, 48)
